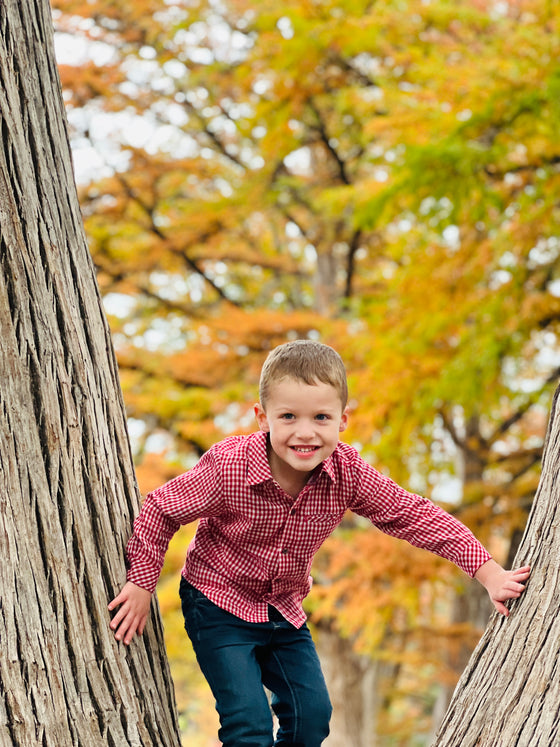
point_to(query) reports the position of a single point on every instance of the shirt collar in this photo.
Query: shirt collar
(328, 466)
(258, 468)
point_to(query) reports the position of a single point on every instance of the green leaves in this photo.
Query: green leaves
(383, 176)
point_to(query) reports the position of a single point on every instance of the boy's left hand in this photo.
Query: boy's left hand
(502, 585)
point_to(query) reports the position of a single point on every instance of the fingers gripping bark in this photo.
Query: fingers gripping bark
(133, 607)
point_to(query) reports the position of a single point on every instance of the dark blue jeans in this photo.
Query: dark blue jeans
(238, 658)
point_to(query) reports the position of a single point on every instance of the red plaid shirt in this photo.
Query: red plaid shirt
(254, 544)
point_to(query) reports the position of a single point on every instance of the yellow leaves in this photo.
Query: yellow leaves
(414, 155)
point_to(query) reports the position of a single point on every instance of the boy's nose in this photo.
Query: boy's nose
(305, 429)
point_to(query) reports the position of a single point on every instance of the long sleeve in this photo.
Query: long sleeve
(146, 548)
(180, 501)
(416, 519)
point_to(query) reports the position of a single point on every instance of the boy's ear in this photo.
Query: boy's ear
(344, 419)
(260, 415)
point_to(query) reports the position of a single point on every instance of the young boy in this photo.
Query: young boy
(266, 502)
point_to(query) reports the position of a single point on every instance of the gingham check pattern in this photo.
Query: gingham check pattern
(254, 544)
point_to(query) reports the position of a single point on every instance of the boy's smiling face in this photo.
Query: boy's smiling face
(303, 422)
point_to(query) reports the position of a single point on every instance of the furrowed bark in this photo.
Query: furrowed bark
(67, 488)
(509, 694)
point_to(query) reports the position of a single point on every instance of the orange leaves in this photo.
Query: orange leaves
(374, 588)
(153, 471)
(385, 182)
(83, 83)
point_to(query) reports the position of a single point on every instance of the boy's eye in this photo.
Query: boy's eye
(321, 416)
(287, 416)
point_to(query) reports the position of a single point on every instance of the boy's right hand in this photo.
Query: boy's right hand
(134, 603)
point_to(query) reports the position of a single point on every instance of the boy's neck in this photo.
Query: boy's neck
(293, 487)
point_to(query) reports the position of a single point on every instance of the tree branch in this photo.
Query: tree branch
(326, 140)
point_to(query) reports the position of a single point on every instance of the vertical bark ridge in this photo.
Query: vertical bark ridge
(509, 694)
(67, 488)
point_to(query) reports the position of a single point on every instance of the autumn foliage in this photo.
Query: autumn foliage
(381, 176)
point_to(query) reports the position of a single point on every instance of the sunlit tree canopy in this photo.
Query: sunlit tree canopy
(383, 176)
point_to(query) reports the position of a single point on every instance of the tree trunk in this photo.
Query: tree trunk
(471, 603)
(509, 694)
(67, 487)
(352, 681)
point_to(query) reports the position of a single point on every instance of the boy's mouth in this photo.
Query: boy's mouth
(304, 449)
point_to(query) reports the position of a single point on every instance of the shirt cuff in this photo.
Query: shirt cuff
(139, 569)
(475, 556)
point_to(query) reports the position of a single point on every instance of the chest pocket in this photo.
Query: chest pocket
(315, 528)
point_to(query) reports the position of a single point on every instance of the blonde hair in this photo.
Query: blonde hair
(305, 360)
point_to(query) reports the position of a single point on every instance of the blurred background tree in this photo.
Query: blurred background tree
(383, 176)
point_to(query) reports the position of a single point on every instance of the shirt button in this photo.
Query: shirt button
(285, 551)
